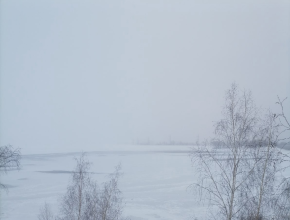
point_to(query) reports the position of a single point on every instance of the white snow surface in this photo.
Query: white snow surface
(154, 184)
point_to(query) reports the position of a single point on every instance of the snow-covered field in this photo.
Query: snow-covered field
(154, 182)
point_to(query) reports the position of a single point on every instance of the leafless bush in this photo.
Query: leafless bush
(9, 159)
(74, 202)
(110, 205)
(84, 200)
(45, 213)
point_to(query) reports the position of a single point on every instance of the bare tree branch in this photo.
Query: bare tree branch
(84, 200)
(9, 160)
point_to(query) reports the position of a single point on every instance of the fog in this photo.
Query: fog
(77, 75)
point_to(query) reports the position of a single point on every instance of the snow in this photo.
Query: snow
(154, 183)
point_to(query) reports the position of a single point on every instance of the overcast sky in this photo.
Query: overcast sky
(79, 74)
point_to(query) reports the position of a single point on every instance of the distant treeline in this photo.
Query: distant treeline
(282, 145)
(148, 142)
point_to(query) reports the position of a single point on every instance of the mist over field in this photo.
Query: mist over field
(139, 83)
(75, 75)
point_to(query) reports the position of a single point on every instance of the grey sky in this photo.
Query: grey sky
(77, 74)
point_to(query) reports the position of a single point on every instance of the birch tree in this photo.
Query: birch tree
(235, 177)
(260, 190)
(110, 205)
(282, 202)
(74, 201)
(85, 200)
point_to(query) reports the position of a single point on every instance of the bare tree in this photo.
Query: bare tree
(107, 203)
(74, 202)
(269, 195)
(284, 123)
(110, 198)
(92, 210)
(282, 202)
(260, 192)
(237, 178)
(9, 159)
(45, 213)
(84, 200)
